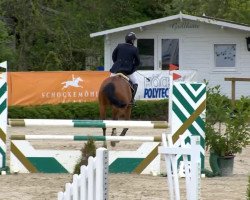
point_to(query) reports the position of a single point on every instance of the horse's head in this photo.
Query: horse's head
(79, 79)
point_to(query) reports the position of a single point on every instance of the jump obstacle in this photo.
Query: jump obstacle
(144, 160)
(186, 112)
(186, 116)
(24, 158)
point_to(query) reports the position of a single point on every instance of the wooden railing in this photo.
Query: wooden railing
(92, 182)
(233, 82)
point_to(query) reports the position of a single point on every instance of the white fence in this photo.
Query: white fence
(192, 168)
(92, 182)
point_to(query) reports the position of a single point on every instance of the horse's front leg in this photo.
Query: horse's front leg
(114, 132)
(127, 117)
(124, 131)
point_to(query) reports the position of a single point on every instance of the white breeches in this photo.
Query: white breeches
(131, 77)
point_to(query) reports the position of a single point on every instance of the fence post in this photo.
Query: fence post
(83, 183)
(75, 187)
(102, 174)
(60, 196)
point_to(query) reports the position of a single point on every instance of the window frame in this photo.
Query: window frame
(221, 68)
(155, 48)
(159, 49)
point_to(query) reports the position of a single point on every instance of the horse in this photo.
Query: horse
(73, 83)
(115, 93)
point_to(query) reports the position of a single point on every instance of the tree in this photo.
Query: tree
(6, 45)
(54, 34)
(234, 10)
(50, 35)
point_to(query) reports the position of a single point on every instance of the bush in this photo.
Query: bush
(227, 131)
(88, 150)
(145, 110)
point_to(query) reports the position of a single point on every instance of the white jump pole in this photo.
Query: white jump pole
(170, 153)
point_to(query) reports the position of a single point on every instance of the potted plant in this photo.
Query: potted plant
(227, 130)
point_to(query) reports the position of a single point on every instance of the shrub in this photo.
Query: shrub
(89, 149)
(145, 110)
(227, 131)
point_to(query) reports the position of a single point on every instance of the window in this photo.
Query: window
(146, 51)
(170, 53)
(224, 55)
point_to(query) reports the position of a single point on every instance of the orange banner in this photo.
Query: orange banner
(37, 88)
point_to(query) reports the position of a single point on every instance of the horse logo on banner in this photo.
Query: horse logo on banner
(74, 82)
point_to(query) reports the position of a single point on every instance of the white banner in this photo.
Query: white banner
(154, 85)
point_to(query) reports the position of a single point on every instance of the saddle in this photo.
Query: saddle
(127, 79)
(122, 75)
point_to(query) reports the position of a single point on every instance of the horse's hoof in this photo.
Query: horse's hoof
(113, 143)
(104, 145)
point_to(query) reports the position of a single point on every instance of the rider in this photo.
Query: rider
(126, 59)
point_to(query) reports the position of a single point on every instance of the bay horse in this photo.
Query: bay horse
(115, 93)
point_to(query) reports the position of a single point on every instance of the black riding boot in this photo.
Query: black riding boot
(135, 86)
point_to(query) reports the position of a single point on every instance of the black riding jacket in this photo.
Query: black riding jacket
(126, 58)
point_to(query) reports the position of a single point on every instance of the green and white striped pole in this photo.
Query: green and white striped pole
(3, 114)
(89, 123)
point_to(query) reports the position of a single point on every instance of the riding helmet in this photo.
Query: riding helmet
(130, 37)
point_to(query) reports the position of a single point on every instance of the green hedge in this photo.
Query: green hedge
(144, 110)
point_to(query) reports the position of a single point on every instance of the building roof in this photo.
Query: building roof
(180, 16)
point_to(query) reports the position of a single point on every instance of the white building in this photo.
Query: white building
(214, 48)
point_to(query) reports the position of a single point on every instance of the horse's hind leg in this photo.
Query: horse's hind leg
(114, 132)
(102, 110)
(114, 117)
(126, 117)
(124, 131)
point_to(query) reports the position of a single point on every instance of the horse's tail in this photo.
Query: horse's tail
(109, 91)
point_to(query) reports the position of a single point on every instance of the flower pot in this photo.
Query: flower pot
(226, 165)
